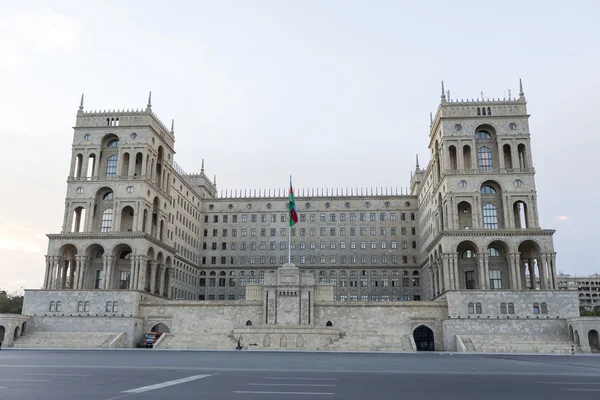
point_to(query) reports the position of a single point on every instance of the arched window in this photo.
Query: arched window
(488, 190)
(468, 254)
(106, 222)
(477, 308)
(490, 216)
(544, 308)
(108, 196)
(483, 111)
(113, 143)
(111, 166)
(484, 158)
(478, 111)
(483, 135)
(489, 111)
(494, 252)
(502, 308)
(471, 308)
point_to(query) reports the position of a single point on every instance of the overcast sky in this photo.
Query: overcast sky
(337, 93)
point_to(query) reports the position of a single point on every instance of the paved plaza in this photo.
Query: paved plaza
(252, 375)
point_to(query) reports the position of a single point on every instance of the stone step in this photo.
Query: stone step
(66, 339)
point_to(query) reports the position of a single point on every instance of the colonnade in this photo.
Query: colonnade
(445, 273)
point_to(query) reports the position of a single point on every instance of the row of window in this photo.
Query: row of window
(243, 260)
(330, 217)
(343, 282)
(83, 306)
(323, 245)
(507, 308)
(312, 231)
(343, 297)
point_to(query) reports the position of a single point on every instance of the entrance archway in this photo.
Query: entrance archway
(17, 333)
(23, 327)
(594, 341)
(160, 328)
(424, 339)
(2, 332)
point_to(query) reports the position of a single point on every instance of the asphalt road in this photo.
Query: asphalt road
(252, 375)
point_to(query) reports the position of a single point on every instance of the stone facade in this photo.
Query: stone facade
(461, 255)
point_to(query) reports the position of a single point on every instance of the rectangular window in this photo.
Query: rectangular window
(382, 216)
(115, 306)
(394, 260)
(313, 231)
(283, 217)
(392, 216)
(124, 279)
(243, 232)
(108, 306)
(372, 216)
(302, 217)
(332, 217)
(235, 218)
(373, 231)
(215, 232)
(502, 308)
(244, 218)
(342, 245)
(80, 306)
(282, 232)
(352, 217)
(274, 218)
(352, 231)
(342, 217)
(312, 217)
(332, 232)
(274, 231)
(302, 231)
(234, 232)
(225, 217)
(470, 279)
(495, 279)
(253, 218)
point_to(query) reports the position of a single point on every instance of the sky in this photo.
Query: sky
(337, 93)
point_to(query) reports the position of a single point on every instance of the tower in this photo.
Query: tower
(116, 229)
(478, 203)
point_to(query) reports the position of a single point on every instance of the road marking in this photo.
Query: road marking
(572, 383)
(289, 384)
(585, 390)
(311, 379)
(309, 393)
(26, 380)
(165, 384)
(57, 375)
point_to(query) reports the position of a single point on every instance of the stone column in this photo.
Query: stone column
(81, 261)
(446, 272)
(72, 268)
(132, 280)
(108, 272)
(486, 270)
(514, 154)
(170, 279)
(162, 270)
(500, 152)
(513, 271)
(457, 277)
(518, 271)
(541, 262)
(553, 269)
(66, 227)
(89, 217)
(141, 282)
(481, 270)
(116, 223)
(48, 272)
(433, 284)
(131, 169)
(153, 267)
(63, 274)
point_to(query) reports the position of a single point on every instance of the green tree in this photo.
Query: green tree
(10, 303)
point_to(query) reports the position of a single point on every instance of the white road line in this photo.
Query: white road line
(57, 375)
(26, 380)
(165, 384)
(289, 384)
(585, 390)
(309, 393)
(572, 383)
(310, 379)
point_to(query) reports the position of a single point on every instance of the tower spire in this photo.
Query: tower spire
(443, 92)
(417, 167)
(521, 93)
(81, 102)
(149, 100)
(173, 126)
(430, 119)
(202, 170)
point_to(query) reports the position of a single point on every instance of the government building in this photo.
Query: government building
(456, 262)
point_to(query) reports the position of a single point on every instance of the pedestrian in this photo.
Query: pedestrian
(0, 345)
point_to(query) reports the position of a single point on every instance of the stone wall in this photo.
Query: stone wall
(385, 318)
(585, 332)
(559, 304)
(200, 316)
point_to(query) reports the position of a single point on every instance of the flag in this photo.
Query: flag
(293, 210)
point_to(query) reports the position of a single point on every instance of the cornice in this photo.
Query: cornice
(489, 233)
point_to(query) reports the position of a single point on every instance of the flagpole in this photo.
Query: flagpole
(290, 230)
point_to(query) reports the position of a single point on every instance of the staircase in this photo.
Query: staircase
(518, 344)
(63, 340)
(369, 341)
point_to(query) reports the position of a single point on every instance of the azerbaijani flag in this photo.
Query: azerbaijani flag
(293, 210)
